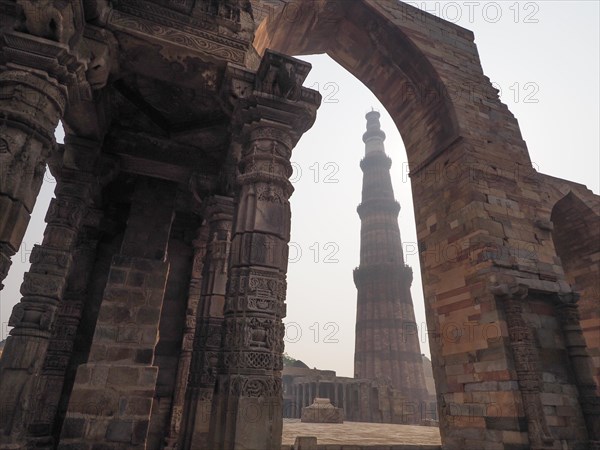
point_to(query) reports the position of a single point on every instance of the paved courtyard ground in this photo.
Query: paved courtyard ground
(356, 433)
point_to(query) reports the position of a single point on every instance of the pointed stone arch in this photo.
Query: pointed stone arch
(476, 196)
(398, 72)
(576, 236)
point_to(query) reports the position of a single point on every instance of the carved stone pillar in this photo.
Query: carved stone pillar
(527, 365)
(185, 357)
(39, 72)
(304, 396)
(249, 379)
(568, 314)
(247, 402)
(45, 420)
(295, 392)
(112, 396)
(30, 108)
(209, 323)
(335, 395)
(43, 288)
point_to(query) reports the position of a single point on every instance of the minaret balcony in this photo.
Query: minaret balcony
(378, 206)
(384, 270)
(376, 160)
(373, 134)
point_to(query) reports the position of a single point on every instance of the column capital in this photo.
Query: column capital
(566, 299)
(34, 103)
(48, 60)
(200, 244)
(274, 98)
(509, 290)
(219, 208)
(47, 37)
(80, 154)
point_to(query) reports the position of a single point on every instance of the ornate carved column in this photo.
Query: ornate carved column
(30, 108)
(524, 347)
(209, 322)
(44, 423)
(568, 314)
(247, 404)
(250, 372)
(80, 160)
(112, 396)
(185, 357)
(39, 72)
(43, 288)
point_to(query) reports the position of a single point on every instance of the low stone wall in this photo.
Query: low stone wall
(369, 447)
(358, 436)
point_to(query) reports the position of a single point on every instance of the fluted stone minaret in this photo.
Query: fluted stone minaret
(387, 343)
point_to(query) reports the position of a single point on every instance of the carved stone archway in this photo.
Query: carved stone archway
(576, 235)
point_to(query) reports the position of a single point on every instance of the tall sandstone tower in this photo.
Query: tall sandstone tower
(387, 345)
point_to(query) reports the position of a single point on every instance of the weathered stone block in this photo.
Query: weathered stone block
(73, 428)
(305, 443)
(136, 279)
(484, 386)
(120, 431)
(506, 423)
(51, 286)
(79, 446)
(140, 431)
(121, 354)
(144, 356)
(135, 406)
(322, 411)
(123, 376)
(102, 447)
(117, 276)
(83, 375)
(148, 315)
(13, 221)
(515, 437)
(115, 294)
(130, 334)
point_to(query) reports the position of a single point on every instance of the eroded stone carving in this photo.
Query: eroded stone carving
(526, 361)
(59, 21)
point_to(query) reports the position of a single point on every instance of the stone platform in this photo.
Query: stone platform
(358, 436)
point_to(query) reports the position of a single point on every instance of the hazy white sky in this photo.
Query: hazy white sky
(544, 56)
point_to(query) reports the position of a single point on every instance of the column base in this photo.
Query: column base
(21, 360)
(200, 419)
(244, 416)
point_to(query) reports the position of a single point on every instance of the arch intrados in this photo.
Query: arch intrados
(380, 55)
(572, 203)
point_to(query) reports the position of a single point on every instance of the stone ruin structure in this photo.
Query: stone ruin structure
(362, 400)
(322, 411)
(151, 315)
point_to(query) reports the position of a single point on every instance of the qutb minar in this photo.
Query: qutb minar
(387, 348)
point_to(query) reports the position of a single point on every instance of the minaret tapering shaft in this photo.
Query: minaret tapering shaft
(387, 345)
